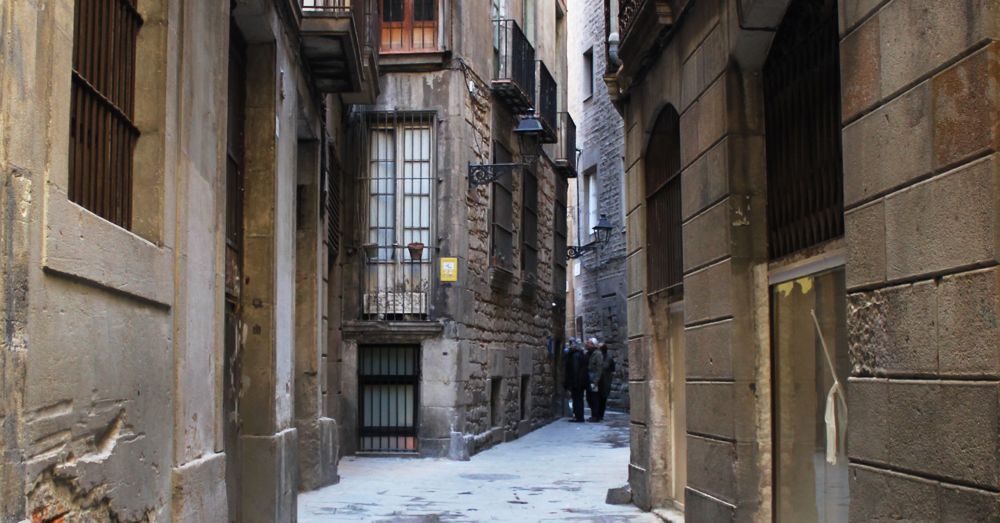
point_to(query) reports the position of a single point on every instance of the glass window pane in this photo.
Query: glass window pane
(423, 10)
(392, 10)
(809, 488)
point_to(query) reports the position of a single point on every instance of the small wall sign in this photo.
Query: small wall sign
(449, 269)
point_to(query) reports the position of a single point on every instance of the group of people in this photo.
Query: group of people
(589, 371)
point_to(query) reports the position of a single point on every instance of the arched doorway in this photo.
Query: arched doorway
(665, 295)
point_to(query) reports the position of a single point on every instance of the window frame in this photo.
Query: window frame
(392, 265)
(502, 260)
(560, 239)
(662, 201)
(102, 109)
(407, 27)
(76, 241)
(588, 71)
(528, 233)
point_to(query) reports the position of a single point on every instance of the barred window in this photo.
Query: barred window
(664, 248)
(801, 81)
(502, 214)
(102, 107)
(529, 224)
(399, 176)
(409, 25)
(559, 240)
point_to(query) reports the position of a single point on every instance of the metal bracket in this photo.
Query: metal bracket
(573, 252)
(482, 174)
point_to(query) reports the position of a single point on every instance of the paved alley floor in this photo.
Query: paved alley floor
(560, 472)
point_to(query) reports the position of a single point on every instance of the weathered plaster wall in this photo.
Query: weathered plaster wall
(116, 381)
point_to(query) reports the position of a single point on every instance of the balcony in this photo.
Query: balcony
(566, 146)
(640, 22)
(514, 76)
(546, 105)
(340, 44)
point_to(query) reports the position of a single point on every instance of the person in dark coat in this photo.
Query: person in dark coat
(595, 367)
(607, 375)
(575, 377)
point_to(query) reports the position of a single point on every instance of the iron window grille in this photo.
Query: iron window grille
(102, 108)
(502, 214)
(529, 225)
(805, 196)
(397, 179)
(664, 246)
(560, 240)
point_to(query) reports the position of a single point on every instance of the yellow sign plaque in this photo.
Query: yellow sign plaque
(449, 269)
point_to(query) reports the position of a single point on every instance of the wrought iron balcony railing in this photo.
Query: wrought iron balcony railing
(640, 22)
(546, 104)
(566, 146)
(628, 13)
(514, 74)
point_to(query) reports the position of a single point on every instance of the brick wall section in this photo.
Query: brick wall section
(600, 287)
(921, 111)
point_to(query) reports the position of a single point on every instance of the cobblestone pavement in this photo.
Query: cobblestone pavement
(560, 472)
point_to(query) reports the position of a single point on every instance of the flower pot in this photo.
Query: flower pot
(416, 250)
(371, 251)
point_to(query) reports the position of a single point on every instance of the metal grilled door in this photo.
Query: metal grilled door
(388, 379)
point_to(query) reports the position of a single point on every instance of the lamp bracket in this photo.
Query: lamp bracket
(573, 252)
(482, 174)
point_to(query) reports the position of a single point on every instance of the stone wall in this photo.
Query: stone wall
(600, 288)
(922, 204)
(919, 134)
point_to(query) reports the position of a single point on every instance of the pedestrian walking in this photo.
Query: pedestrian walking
(595, 366)
(575, 378)
(607, 376)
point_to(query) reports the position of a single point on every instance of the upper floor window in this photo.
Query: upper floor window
(528, 16)
(529, 224)
(102, 108)
(398, 179)
(590, 195)
(409, 25)
(502, 214)
(559, 240)
(588, 74)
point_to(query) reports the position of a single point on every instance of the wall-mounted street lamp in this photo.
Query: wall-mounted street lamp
(528, 132)
(602, 234)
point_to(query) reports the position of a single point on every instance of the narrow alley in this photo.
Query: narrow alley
(560, 472)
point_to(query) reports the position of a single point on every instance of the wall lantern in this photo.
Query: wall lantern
(528, 132)
(602, 234)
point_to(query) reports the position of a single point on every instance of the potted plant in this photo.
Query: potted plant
(416, 250)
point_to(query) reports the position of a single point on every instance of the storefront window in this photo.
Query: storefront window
(811, 366)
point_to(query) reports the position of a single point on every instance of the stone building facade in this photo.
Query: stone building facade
(167, 206)
(446, 361)
(812, 217)
(599, 275)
